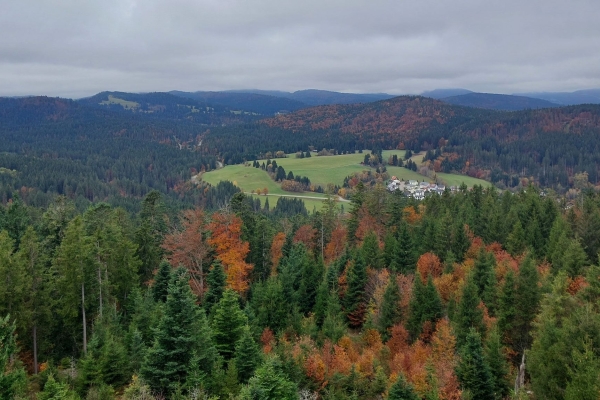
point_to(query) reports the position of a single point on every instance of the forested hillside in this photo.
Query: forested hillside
(120, 150)
(440, 299)
(59, 147)
(498, 101)
(548, 147)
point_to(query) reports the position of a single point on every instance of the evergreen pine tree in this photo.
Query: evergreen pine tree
(584, 383)
(402, 390)
(354, 299)
(12, 379)
(333, 323)
(473, 371)
(516, 241)
(228, 323)
(370, 250)
(425, 305)
(527, 301)
(460, 242)
(269, 383)
(357, 201)
(390, 313)
(494, 356)
(247, 356)
(321, 303)
(507, 309)
(404, 260)
(54, 390)
(161, 281)
(311, 276)
(216, 285)
(269, 303)
(468, 315)
(389, 249)
(167, 361)
(573, 258)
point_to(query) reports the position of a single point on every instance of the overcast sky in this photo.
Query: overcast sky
(76, 48)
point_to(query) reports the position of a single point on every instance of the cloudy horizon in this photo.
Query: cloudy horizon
(75, 49)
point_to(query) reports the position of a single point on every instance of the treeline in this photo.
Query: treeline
(436, 300)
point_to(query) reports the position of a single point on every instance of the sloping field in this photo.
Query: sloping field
(321, 171)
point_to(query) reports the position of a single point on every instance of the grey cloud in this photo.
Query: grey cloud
(77, 48)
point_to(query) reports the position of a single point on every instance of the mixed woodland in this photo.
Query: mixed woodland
(124, 276)
(473, 295)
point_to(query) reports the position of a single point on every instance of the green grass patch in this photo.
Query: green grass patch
(124, 103)
(457, 180)
(405, 174)
(322, 171)
(310, 204)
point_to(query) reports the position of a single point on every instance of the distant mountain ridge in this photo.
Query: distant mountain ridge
(588, 96)
(498, 101)
(442, 93)
(316, 97)
(262, 104)
(515, 101)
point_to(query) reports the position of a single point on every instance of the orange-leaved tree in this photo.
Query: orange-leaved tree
(336, 245)
(429, 264)
(277, 250)
(186, 246)
(226, 238)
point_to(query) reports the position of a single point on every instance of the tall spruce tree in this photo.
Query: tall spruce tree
(404, 260)
(425, 305)
(507, 309)
(469, 315)
(496, 360)
(390, 313)
(76, 266)
(162, 279)
(12, 379)
(354, 298)
(333, 323)
(167, 362)
(473, 371)
(228, 323)
(402, 390)
(216, 280)
(247, 356)
(370, 250)
(270, 383)
(311, 276)
(527, 301)
(150, 233)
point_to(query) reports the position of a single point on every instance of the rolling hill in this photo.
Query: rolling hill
(589, 96)
(161, 105)
(262, 104)
(548, 146)
(501, 102)
(315, 97)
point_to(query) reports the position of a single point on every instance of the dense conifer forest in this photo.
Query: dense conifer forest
(479, 294)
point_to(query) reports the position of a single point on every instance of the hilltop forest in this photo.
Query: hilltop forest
(465, 296)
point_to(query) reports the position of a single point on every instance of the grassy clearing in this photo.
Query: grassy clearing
(329, 169)
(310, 204)
(322, 171)
(457, 180)
(124, 103)
(405, 174)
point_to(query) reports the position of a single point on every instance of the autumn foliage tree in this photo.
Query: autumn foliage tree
(429, 264)
(187, 247)
(226, 239)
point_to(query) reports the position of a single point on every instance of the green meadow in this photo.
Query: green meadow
(321, 171)
(115, 100)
